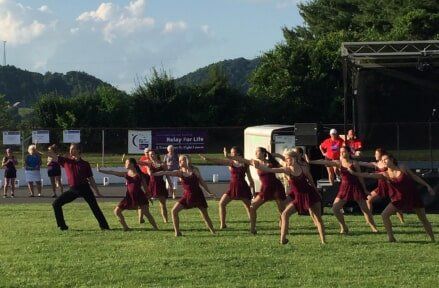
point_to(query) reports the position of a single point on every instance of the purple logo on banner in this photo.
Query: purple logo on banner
(187, 141)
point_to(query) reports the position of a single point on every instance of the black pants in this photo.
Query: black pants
(70, 195)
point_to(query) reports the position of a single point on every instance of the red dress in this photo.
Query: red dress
(271, 187)
(382, 189)
(157, 185)
(238, 188)
(350, 187)
(303, 194)
(134, 196)
(192, 194)
(403, 193)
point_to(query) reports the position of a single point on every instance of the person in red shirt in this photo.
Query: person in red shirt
(330, 149)
(81, 182)
(354, 144)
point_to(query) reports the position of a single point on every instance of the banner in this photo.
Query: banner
(187, 141)
(71, 136)
(11, 138)
(138, 141)
(40, 136)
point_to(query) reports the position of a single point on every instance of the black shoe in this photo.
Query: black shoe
(63, 228)
(105, 228)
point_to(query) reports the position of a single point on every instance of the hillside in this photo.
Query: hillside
(237, 72)
(26, 87)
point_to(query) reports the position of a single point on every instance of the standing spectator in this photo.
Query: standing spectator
(354, 144)
(32, 170)
(54, 172)
(9, 163)
(144, 168)
(171, 161)
(330, 149)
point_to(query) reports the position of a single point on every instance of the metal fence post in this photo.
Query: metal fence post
(103, 146)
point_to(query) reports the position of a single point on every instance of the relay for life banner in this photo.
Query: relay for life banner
(138, 141)
(41, 136)
(72, 136)
(11, 138)
(184, 141)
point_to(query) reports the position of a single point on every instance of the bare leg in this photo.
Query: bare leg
(163, 209)
(207, 220)
(53, 183)
(12, 181)
(247, 203)
(38, 187)
(175, 220)
(225, 199)
(285, 217)
(400, 217)
(331, 175)
(59, 184)
(280, 207)
(370, 198)
(389, 211)
(5, 187)
(258, 201)
(315, 213)
(145, 211)
(336, 207)
(427, 225)
(118, 213)
(30, 185)
(368, 215)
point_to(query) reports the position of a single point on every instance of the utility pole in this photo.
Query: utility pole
(4, 53)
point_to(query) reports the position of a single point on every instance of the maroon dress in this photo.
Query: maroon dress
(192, 194)
(271, 187)
(403, 193)
(350, 187)
(238, 188)
(303, 194)
(382, 189)
(134, 196)
(156, 184)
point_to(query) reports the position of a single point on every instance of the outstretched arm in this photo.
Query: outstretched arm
(280, 156)
(110, 172)
(419, 180)
(377, 176)
(325, 162)
(202, 183)
(262, 167)
(367, 164)
(175, 173)
(215, 160)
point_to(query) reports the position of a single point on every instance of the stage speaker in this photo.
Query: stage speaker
(306, 134)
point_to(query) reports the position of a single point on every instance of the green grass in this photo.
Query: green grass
(35, 254)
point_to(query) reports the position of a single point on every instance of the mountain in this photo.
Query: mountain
(26, 87)
(237, 72)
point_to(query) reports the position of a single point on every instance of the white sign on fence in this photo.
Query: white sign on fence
(71, 136)
(138, 141)
(40, 136)
(11, 138)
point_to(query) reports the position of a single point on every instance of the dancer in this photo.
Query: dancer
(351, 189)
(81, 182)
(54, 172)
(32, 170)
(404, 195)
(304, 195)
(135, 198)
(9, 162)
(271, 187)
(330, 149)
(193, 196)
(157, 185)
(382, 188)
(238, 187)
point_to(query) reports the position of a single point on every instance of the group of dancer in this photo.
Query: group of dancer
(145, 180)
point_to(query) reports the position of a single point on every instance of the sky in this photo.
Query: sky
(121, 41)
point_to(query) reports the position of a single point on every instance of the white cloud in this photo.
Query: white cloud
(114, 21)
(45, 9)
(21, 24)
(171, 27)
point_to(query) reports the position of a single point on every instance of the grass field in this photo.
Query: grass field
(35, 254)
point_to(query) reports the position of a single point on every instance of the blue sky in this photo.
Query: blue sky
(120, 41)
